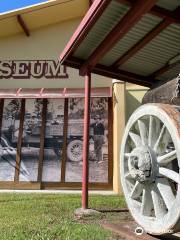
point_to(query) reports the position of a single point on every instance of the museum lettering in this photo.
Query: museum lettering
(26, 69)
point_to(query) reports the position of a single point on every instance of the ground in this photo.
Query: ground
(51, 217)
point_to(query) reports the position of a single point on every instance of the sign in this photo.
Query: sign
(26, 69)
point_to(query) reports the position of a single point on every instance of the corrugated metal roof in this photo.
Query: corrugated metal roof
(108, 20)
(157, 53)
(146, 24)
(168, 4)
(153, 56)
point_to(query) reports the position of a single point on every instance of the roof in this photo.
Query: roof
(134, 41)
(39, 15)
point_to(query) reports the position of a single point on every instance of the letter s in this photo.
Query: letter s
(5, 69)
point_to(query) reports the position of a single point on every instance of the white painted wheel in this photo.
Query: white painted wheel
(150, 160)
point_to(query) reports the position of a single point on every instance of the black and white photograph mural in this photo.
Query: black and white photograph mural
(31, 140)
(98, 167)
(75, 140)
(98, 147)
(53, 141)
(51, 167)
(9, 137)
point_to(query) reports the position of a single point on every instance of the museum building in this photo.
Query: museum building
(42, 105)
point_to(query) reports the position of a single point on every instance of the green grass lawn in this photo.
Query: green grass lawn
(46, 217)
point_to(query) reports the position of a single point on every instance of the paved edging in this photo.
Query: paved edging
(93, 192)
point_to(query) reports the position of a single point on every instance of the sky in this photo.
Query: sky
(9, 5)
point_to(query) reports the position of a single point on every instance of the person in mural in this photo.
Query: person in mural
(98, 135)
(31, 123)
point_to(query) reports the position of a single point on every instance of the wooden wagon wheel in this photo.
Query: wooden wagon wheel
(150, 160)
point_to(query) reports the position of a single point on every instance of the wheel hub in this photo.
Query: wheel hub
(143, 164)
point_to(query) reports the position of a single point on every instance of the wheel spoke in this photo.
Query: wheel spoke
(151, 135)
(147, 204)
(165, 140)
(129, 181)
(166, 192)
(167, 158)
(127, 155)
(159, 138)
(137, 190)
(137, 204)
(169, 174)
(159, 207)
(136, 139)
(143, 132)
(128, 176)
(156, 130)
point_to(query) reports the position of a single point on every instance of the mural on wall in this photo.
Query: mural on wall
(98, 169)
(31, 140)
(53, 141)
(98, 147)
(9, 136)
(74, 140)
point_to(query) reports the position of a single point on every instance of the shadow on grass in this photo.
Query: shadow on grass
(112, 210)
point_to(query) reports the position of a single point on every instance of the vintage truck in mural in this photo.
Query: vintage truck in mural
(74, 138)
(150, 160)
(53, 137)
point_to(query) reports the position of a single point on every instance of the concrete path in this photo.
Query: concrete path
(93, 192)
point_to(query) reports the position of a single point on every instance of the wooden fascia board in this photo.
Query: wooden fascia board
(49, 93)
(111, 72)
(117, 33)
(164, 69)
(122, 75)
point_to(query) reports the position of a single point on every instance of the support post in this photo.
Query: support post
(85, 175)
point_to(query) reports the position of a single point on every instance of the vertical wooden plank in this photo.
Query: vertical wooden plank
(19, 143)
(110, 141)
(64, 148)
(1, 115)
(42, 139)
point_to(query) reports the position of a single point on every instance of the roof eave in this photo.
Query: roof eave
(25, 9)
(110, 72)
(86, 24)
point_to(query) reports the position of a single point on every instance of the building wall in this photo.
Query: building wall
(44, 43)
(119, 110)
(134, 95)
(47, 43)
(126, 98)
